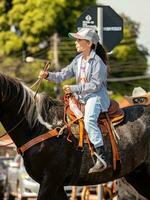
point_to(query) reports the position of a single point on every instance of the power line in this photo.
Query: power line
(131, 78)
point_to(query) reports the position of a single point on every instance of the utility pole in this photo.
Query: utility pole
(55, 51)
(55, 42)
(100, 192)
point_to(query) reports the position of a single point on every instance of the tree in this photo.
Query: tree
(26, 27)
(33, 22)
(128, 59)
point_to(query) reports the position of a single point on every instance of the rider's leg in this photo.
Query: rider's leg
(92, 111)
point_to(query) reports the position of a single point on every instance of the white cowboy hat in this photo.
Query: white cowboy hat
(139, 92)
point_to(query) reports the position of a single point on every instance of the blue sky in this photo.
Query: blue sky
(137, 10)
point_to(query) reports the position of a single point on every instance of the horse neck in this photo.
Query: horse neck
(22, 117)
(19, 116)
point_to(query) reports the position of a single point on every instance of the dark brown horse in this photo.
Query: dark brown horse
(57, 162)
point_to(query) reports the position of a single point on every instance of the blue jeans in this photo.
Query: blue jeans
(92, 111)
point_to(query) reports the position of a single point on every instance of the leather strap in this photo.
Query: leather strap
(115, 151)
(37, 140)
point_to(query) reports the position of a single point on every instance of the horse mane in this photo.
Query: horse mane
(51, 108)
(43, 104)
(14, 84)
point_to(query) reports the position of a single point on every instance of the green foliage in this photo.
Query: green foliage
(28, 25)
(67, 18)
(9, 40)
(35, 21)
(16, 14)
(129, 49)
(2, 7)
(3, 23)
(128, 59)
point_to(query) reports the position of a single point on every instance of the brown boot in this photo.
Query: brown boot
(100, 164)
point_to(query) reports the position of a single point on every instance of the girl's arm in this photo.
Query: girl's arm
(58, 77)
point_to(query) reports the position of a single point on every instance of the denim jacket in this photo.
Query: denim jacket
(96, 76)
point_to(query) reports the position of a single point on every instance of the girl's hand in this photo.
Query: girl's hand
(67, 89)
(43, 74)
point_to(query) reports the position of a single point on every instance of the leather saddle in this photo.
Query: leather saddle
(115, 113)
(106, 121)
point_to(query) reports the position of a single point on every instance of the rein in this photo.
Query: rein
(38, 82)
(7, 133)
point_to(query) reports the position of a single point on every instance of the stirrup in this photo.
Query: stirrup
(101, 160)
